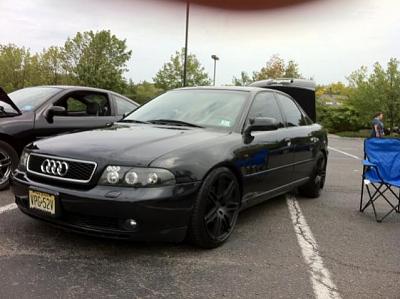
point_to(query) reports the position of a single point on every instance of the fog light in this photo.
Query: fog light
(131, 223)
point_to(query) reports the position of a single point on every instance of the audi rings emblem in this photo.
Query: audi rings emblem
(54, 167)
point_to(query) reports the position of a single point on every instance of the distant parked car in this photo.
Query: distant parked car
(32, 113)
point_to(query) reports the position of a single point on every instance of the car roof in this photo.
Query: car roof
(228, 88)
(73, 87)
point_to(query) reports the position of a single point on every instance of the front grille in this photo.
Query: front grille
(65, 169)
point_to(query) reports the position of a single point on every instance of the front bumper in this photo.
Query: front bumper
(160, 213)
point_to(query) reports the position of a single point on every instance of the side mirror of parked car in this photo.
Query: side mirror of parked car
(52, 111)
(259, 124)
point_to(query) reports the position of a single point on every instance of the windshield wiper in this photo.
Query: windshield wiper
(173, 122)
(133, 121)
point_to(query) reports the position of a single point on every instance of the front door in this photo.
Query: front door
(84, 110)
(264, 161)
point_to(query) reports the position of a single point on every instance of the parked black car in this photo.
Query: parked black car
(36, 112)
(183, 164)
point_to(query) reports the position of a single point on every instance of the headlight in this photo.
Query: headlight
(136, 177)
(23, 161)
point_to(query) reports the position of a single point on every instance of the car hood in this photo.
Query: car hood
(124, 144)
(6, 99)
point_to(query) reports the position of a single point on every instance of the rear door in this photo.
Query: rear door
(298, 131)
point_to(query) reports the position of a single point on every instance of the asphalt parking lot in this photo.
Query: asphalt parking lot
(288, 247)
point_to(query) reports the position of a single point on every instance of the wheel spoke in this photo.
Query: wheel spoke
(217, 227)
(210, 217)
(212, 197)
(227, 219)
(227, 195)
(5, 163)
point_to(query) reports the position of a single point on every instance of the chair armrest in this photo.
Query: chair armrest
(367, 163)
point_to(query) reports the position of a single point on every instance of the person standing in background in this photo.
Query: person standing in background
(377, 125)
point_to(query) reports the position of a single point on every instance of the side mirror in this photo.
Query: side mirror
(260, 124)
(52, 111)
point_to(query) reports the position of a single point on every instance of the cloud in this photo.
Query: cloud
(328, 39)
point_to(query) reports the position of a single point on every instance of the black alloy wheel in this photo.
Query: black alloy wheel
(8, 162)
(216, 209)
(313, 187)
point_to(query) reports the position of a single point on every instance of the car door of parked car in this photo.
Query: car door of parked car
(83, 110)
(299, 132)
(264, 161)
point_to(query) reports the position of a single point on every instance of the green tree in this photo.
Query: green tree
(97, 59)
(14, 67)
(378, 91)
(292, 70)
(146, 91)
(171, 74)
(52, 66)
(142, 92)
(243, 80)
(277, 68)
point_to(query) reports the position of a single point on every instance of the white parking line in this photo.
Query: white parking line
(344, 153)
(7, 208)
(321, 281)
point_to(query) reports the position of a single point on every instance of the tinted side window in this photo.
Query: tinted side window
(265, 105)
(83, 103)
(294, 117)
(124, 106)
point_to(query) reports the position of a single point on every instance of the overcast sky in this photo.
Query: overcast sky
(327, 38)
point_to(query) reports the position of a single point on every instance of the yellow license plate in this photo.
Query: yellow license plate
(42, 201)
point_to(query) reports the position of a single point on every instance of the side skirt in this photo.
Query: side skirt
(256, 198)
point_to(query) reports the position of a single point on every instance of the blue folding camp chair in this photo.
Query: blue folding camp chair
(381, 174)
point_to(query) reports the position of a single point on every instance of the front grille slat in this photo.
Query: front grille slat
(78, 171)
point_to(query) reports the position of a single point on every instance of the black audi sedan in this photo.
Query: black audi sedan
(182, 165)
(32, 113)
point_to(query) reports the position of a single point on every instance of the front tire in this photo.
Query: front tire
(8, 162)
(216, 209)
(314, 186)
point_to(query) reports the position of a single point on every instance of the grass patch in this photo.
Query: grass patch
(361, 133)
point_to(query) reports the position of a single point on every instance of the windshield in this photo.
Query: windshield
(205, 108)
(28, 99)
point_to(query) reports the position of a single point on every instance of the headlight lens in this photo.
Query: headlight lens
(136, 177)
(23, 161)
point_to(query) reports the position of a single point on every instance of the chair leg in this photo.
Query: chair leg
(398, 206)
(372, 197)
(382, 194)
(362, 193)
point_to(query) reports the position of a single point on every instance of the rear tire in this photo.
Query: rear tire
(8, 162)
(216, 209)
(314, 186)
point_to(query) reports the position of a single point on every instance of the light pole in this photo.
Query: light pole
(215, 58)
(186, 43)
